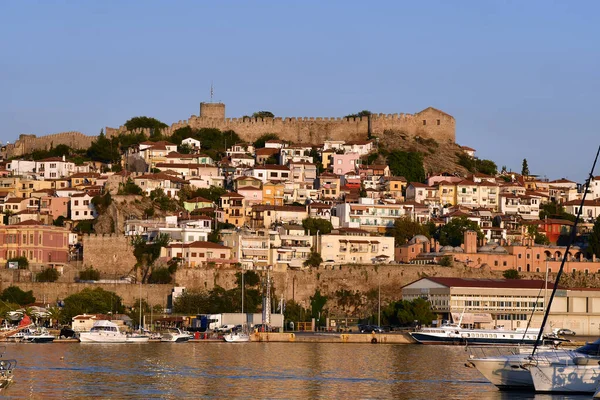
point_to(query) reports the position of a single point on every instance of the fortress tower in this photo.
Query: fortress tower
(212, 110)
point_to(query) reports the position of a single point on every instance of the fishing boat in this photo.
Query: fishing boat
(103, 331)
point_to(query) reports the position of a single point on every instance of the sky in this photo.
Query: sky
(522, 78)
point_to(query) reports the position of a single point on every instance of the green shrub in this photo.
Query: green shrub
(47, 275)
(89, 274)
(160, 275)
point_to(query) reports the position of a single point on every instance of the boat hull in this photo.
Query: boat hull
(39, 339)
(232, 338)
(565, 377)
(85, 337)
(425, 338)
(504, 373)
(138, 339)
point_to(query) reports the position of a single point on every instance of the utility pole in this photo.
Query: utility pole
(379, 306)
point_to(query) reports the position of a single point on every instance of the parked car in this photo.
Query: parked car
(370, 329)
(262, 328)
(225, 328)
(565, 332)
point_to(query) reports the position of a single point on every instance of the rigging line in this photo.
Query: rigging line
(562, 264)
(532, 312)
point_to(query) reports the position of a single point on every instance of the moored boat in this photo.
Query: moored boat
(457, 335)
(175, 335)
(103, 331)
(38, 335)
(236, 337)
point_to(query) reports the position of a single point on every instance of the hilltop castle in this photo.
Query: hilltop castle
(429, 123)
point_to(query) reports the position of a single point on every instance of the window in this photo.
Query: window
(439, 122)
(424, 122)
(76, 202)
(76, 212)
(86, 202)
(273, 175)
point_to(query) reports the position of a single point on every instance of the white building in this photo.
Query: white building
(81, 207)
(192, 143)
(266, 173)
(55, 167)
(355, 246)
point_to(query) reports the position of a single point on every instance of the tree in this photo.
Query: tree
(511, 274)
(594, 239)
(60, 221)
(363, 113)
(525, 168)
(452, 234)
(145, 122)
(317, 307)
(14, 294)
(313, 260)
(147, 253)
(91, 301)
(405, 229)
(538, 237)
(130, 188)
(104, 150)
(554, 210)
(47, 275)
(446, 261)
(314, 225)
(487, 167)
(404, 312)
(407, 164)
(260, 142)
(160, 276)
(263, 114)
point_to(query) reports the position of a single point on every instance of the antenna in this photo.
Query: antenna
(211, 91)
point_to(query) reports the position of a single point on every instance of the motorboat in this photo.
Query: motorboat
(505, 368)
(519, 371)
(103, 331)
(236, 337)
(175, 335)
(577, 373)
(457, 335)
(38, 335)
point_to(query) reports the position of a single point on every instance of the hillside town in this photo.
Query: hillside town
(283, 205)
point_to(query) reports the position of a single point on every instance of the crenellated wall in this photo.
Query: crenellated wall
(429, 123)
(28, 143)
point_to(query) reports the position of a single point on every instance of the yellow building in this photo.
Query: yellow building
(447, 193)
(273, 193)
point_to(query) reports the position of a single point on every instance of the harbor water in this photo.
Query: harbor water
(248, 370)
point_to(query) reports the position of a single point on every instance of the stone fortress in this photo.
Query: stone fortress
(428, 123)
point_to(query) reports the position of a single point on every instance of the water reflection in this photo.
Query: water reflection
(248, 370)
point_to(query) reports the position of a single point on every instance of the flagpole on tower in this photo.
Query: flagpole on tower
(211, 91)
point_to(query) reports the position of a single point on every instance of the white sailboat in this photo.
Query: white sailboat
(239, 336)
(138, 337)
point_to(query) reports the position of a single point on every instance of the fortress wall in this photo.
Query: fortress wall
(112, 255)
(51, 292)
(28, 143)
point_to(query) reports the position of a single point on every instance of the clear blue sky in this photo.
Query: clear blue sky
(522, 78)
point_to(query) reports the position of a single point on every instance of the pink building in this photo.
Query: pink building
(54, 206)
(343, 163)
(38, 243)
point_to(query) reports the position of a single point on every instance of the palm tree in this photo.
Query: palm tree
(54, 314)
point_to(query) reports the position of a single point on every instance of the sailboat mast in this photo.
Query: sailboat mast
(564, 259)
